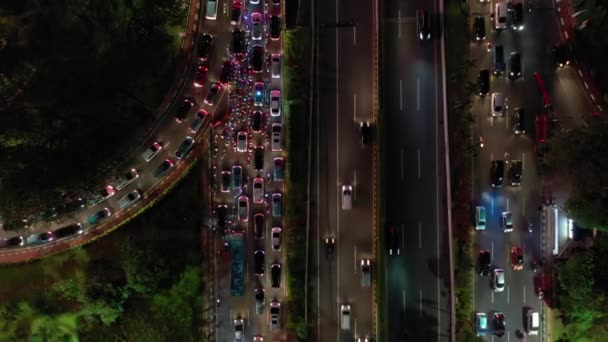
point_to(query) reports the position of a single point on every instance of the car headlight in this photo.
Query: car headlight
(421, 36)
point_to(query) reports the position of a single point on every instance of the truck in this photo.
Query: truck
(236, 241)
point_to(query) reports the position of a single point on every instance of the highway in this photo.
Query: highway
(417, 305)
(571, 105)
(344, 96)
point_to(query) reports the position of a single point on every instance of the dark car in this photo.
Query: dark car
(225, 181)
(205, 43)
(485, 262)
(275, 275)
(258, 158)
(483, 82)
(237, 7)
(393, 240)
(514, 65)
(366, 132)
(275, 27)
(226, 71)
(330, 244)
(222, 216)
(499, 324)
(99, 216)
(517, 16)
(198, 121)
(238, 42)
(279, 166)
(182, 111)
(201, 76)
(257, 121)
(15, 241)
(259, 260)
(258, 225)
(423, 24)
(40, 238)
(561, 55)
(184, 148)
(66, 231)
(260, 300)
(498, 59)
(479, 26)
(518, 121)
(257, 58)
(515, 171)
(214, 91)
(163, 168)
(497, 172)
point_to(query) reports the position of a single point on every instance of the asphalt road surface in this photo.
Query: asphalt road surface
(571, 106)
(344, 96)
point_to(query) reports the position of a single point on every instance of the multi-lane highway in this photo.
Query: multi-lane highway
(344, 96)
(571, 105)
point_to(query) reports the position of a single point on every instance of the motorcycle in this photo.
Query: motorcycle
(530, 228)
(481, 142)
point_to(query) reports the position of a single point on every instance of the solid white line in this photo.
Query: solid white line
(492, 292)
(492, 251)
(354, 35)
(403, 299)
(355, 327)
(355, 107)
(419, 235)
(401, 164)
(524, 294)
(420, 303)
(508, 292)
(318, 206)
(399, 24)
(419, 166)
(492, 206)
(418, 92)
(401, 95)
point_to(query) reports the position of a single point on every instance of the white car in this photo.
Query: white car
(275, 139)
(126, 179)
(243, 208)
(507, 221)
(347, 195)
(239, 329)
(258, 190)
(241, 142)
(498, 104)
(499, 280)
(254, 2)
(345, 317)
(256, 26)
(275, 65)
(129, 199)
(275, 103)
(276, 238)
(152, 151)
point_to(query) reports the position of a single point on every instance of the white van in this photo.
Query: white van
(211, 10)
(501, 15)
(347, 197)
(532, 322)
(345, 317)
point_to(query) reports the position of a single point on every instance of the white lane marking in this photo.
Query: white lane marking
(337, 172)
(355, 186)
(492, 251)
(418, 93)
(523, 206)
(523, 161)
(419, 166)
(492, 292)
(355, 327)
(492, 206)
(491, 156)
(524, 294)
(399, 24)
(355, 261)
(491, 121)
(419, 235)
(420, 303)
(507, 204)
(508, 292)
(402, 164)
(355, 107)
(354, 35)
(401, 95)
(403, 299)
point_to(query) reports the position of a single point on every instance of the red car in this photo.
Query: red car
(517, 259)
(201, 76)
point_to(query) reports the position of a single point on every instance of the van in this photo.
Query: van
(501, 15)
(345, 317)
(498, 58)
(211, 10)
(532, 322)
(480, 218)
(347, 195)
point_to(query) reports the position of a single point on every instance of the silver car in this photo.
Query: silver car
(126, 179)
(275, 103)
(258, 190)
(276, 238)
(152, 151)
(241, 142)
(129, 199)
(366, 272)
(276, 137)
(239, 329)
(275, 315)
(275, 65)
(256, 26)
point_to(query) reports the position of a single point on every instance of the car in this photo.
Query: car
(507, 221)
(211, 10)
(500, 15)
(163, 168)
(258, 94)
(129, 199)
(182, 110)
(258, 225)
(259, 265)
(256, 26)
(330, 244)
(257, 59)
(275, 65)
(483, 82)
(257, 121)
(275, 275)
(275, 103)
(226, 72)
(345, 317)
(258, 158)
(517, 16)
(258, 338)
(561, 55)
(241, 141)
(201, 76)
(480, 217)
(260, 300)
(276, 137)
(200, 118)
(497, 171)
(481, 324)
(243, 208)
(225, 181)
(214, 91)
(237, 177)
(275, 27)
(279, 166)
(519, 121)
(102, 195)
(347, 197)
(238, 42)
(63, 232)
(99, 216)
(184, 148)
(276, 4)
(366, 273)
(498, 59)
(515, 172)
(254, 2)
(152, 151)
(235, 18)
(514, 65)
(239, 329)
(423, 24)
(205, 44)
(499, 280)
(39, 238)
(277, 205)
(222, 216)
(276, 238)
(499, 324)
(258, 190)
(532, 322)
(126, 179)
(517, 258)
(366, 132)
(393, 240)
(498, 104)
(15, 241)
(275, 315)
(479, 26)
(485, 262)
